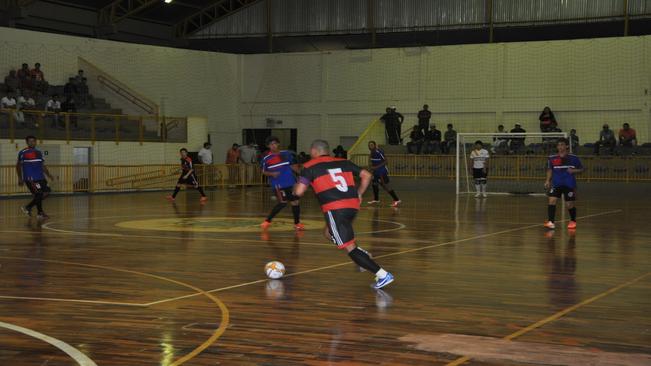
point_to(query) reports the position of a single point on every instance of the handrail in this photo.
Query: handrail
(365, 133)
(124, 93)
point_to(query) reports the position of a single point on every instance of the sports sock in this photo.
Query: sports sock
(573, 213)
(296, 211)
(394, 195)
(363, 260)
(376, 192)
(551, 212)
(275, 210)
(478, 187)
(381, 273)
(483, 187)
(176, 191)
(200, 189)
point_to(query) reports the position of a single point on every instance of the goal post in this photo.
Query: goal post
(516, 163)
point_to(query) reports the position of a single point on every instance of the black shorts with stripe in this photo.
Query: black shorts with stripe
(340, 226)
(191, 180)
(285, 195)
(38, 186)
(479, 174)
(563, 191)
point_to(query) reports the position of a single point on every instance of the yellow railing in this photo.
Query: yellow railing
(91, 127)
(116, 178)
(374, 132)
(518, 167)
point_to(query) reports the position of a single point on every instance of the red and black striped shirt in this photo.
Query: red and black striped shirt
(333, 181)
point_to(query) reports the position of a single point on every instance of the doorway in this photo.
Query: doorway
(81, 169)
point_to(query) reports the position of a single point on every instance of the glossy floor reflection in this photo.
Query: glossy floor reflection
(130, 279)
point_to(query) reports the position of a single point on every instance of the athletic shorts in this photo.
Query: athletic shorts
(38, 186)
(382, 178)
(479, 174)
(191, 180)
(340, 226)
(568, 193)
(285, 194)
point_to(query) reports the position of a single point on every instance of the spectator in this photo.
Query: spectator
(25, 77)
(69, 106)
(249, 156)
(12, 82)
(606, 138)
(81, 83)
(340, 152)
(205, 154)
(38, 78)
(26, 102)
(574, 140)
(70, 89)
(432, 140)
(500, 141)
(517, 143)
(423, 119)
(54, 106)
(627, 136)
(546, 118)
(549, 143)
(416, 137)
(449, 139)
(9, 102)
(80, 78)
(391, 126)
(233, 159)
(400, 118)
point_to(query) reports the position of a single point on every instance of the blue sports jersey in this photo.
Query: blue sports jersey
(31, 161)
(559, 166)
(377, 158)
(280, 162)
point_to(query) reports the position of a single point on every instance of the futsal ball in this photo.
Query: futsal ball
(274, 270)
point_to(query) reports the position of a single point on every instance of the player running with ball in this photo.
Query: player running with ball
(334, 185)
(561, 181)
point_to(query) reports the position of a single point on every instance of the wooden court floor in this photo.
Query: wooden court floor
(130, 279)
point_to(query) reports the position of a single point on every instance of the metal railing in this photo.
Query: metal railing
(91, 126)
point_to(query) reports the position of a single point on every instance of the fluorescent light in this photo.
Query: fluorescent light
(168, 1)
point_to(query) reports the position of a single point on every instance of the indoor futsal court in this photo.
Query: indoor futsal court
(325, 182)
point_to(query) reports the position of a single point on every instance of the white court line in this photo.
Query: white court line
(379, 256)
(75, 354)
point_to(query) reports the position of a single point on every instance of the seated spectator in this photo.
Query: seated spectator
(606, 138)
(546, 118)
(432, 140)
(549, 143)
(517, 143)
(81, 83)
(416, 142)
(627, 136)
(12, 82)
(70, 89)
(26, 102)
(38, 78)
(574, 140)
(205, 154)
(450, 139)
(54, 107)
(25, 77)
(500, 141)
(69, 106)
(9, 102)
(340, 152)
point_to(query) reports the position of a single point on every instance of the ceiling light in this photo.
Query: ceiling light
(168, 1)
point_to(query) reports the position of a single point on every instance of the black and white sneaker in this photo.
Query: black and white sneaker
(26, 211)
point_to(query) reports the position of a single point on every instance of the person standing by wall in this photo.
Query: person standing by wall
(232, 159)
(248, 157)
(424, 116)
(207, 173)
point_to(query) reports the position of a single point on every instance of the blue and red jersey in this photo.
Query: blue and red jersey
(559, 166)
(377, 158)
(280, 162)
(31, 161)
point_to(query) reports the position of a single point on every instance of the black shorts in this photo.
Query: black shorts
(285, 195)
(191, 180)
(381, 178)
(38, 186)
(568, 193)
(340, 226)
(479, 174)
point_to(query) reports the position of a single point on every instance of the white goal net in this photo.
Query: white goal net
(516, 162)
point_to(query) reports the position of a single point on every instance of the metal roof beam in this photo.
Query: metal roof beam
(121, 9)
(209, 15)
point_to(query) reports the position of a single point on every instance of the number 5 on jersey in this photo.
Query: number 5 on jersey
(338, 179)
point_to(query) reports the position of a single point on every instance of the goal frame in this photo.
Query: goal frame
(460, 135)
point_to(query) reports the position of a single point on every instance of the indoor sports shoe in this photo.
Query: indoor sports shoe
(550, 225)
(43, 216)
(485, 195)
(299, 227)
(374, 202)
(381, 282)
(265, 224)
(478, 195)
(26, 211)
(571, 225)
(170, 198)
(396, 203)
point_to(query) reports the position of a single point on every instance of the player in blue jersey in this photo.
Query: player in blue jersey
(378, 166)
(31, 171)
(280, 166)
(561, 181)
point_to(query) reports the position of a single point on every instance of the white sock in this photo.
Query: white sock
(478, 188)
(483, 187)
(381, 273)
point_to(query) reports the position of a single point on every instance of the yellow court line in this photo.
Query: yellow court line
(557, 315)
(225, 315)
(379, 256)
(100, 302)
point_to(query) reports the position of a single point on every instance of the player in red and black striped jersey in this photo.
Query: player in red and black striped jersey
(187, 178)
(333, 181)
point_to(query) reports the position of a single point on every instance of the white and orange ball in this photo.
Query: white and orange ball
(274, 270)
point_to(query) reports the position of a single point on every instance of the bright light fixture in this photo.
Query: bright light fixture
(168, 1)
